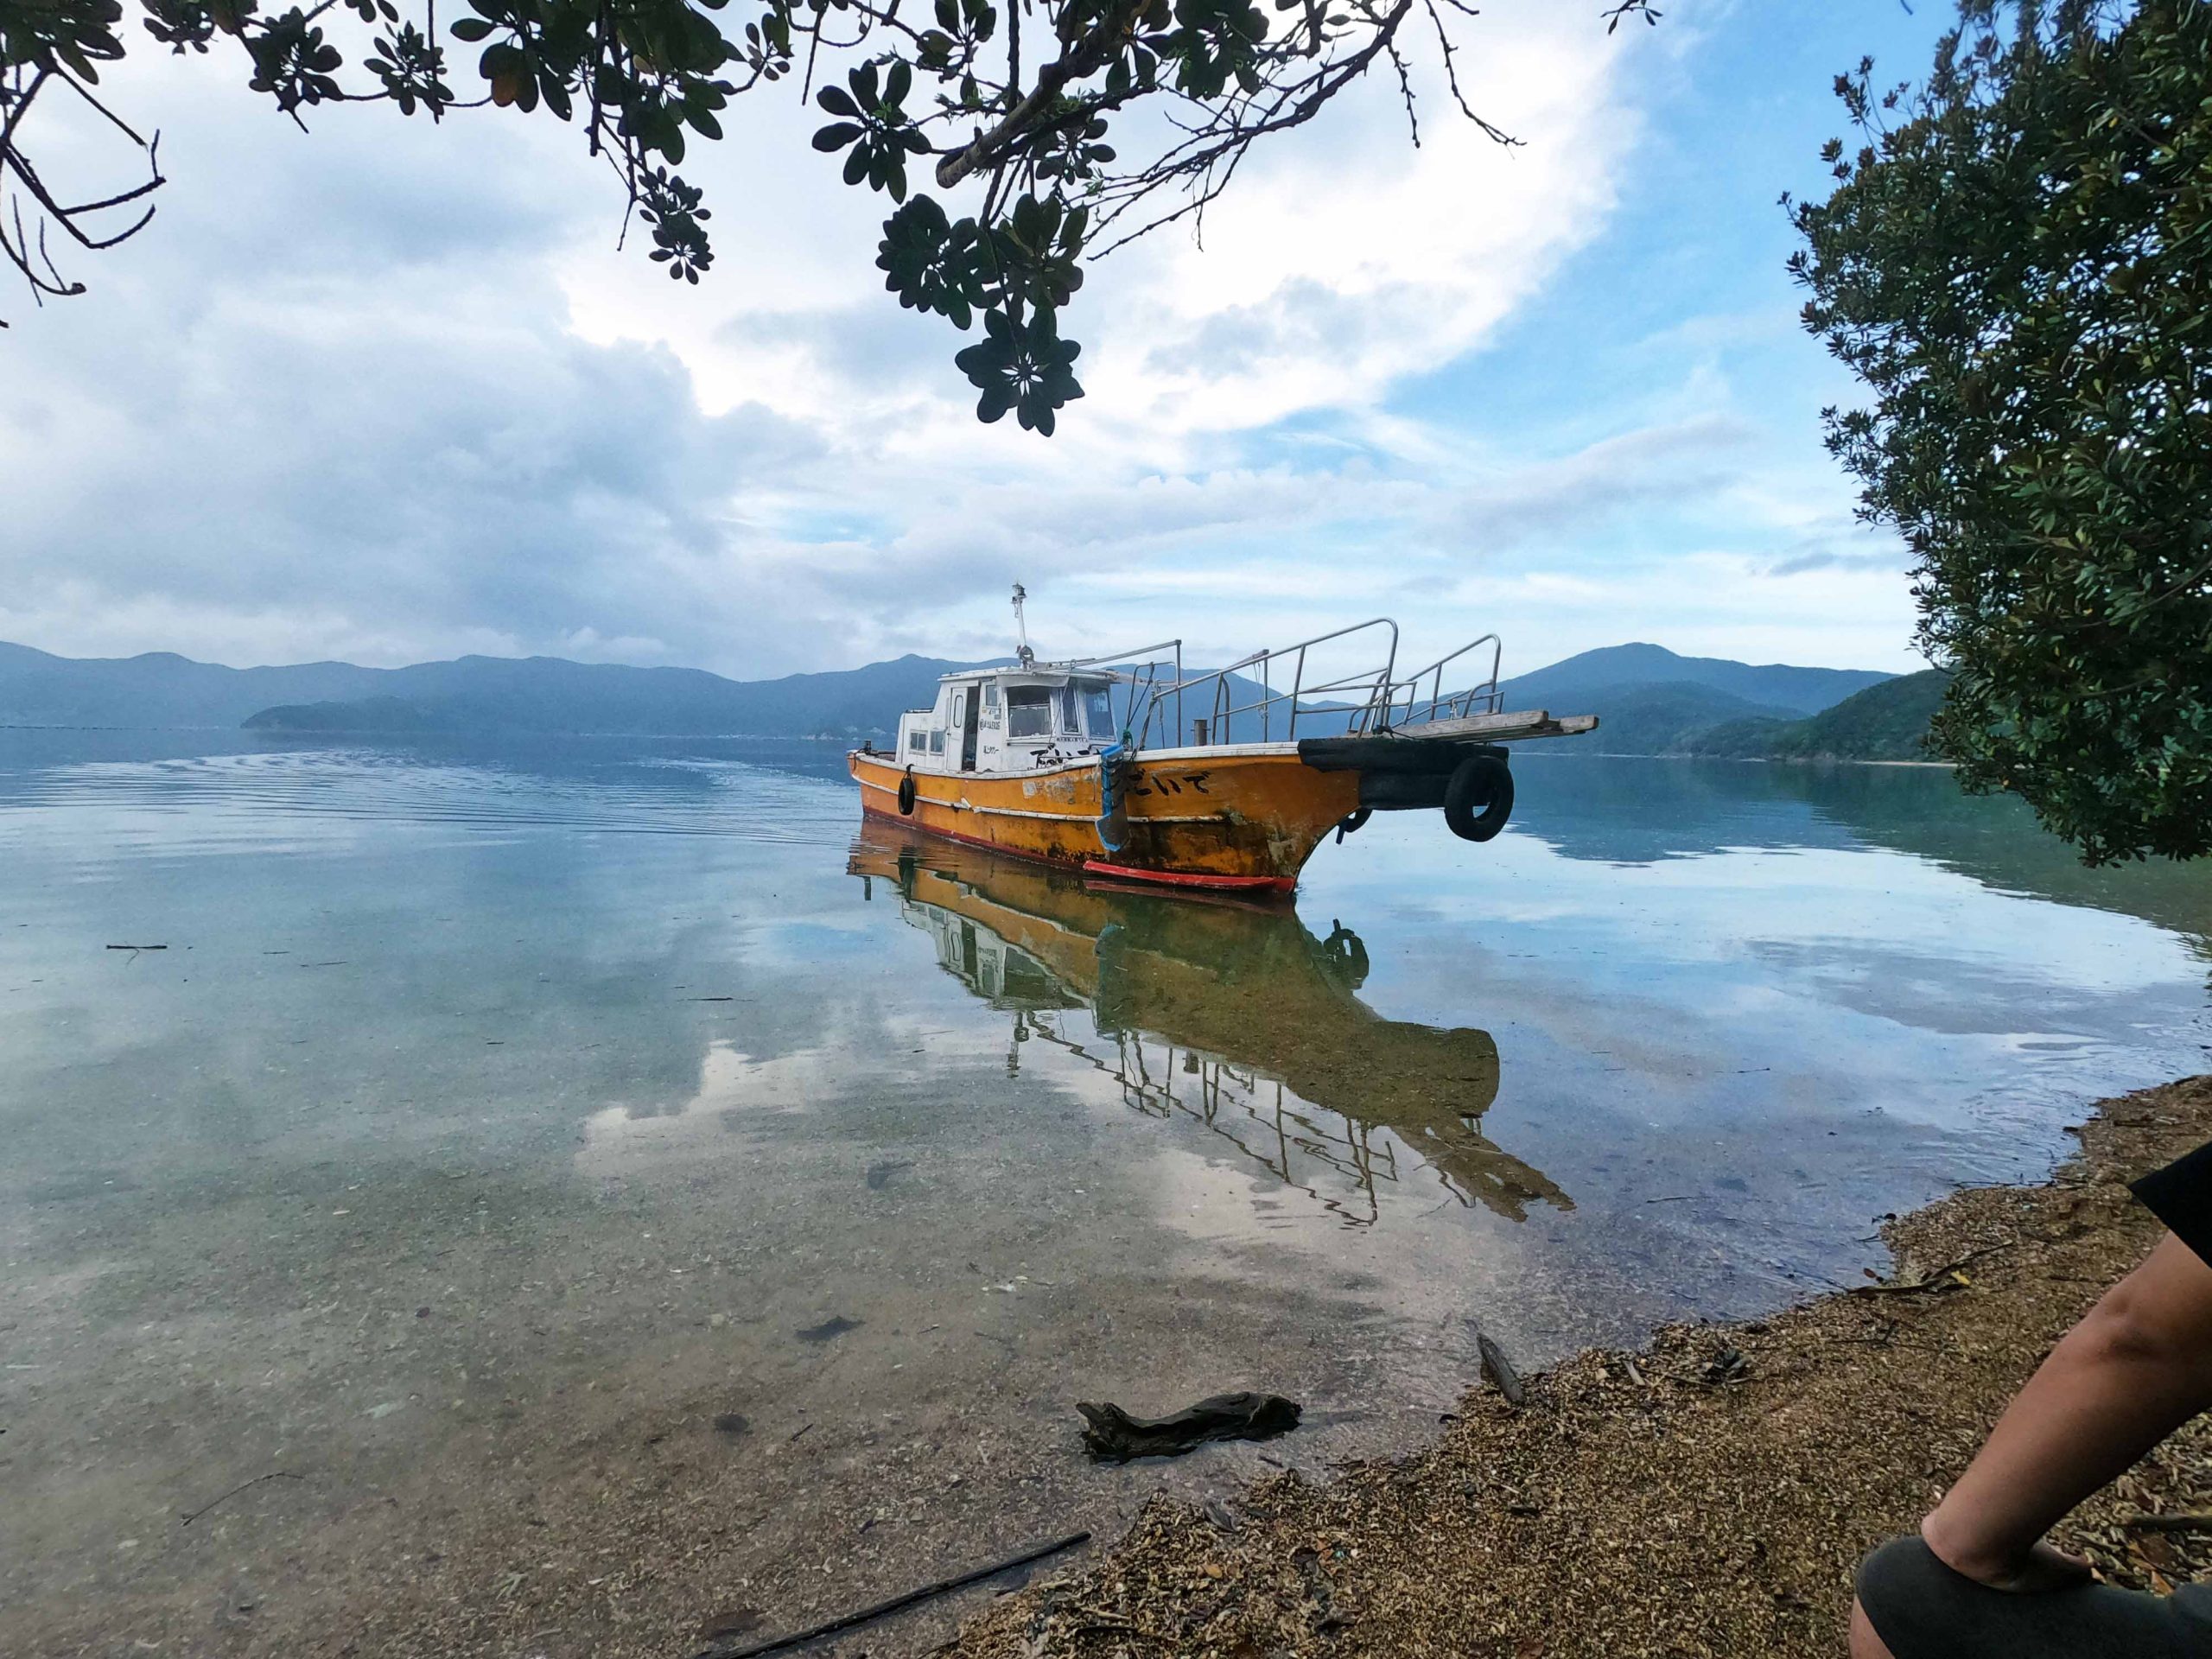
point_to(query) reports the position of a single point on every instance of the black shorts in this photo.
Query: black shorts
(1923, 1610)
(2181, 1196)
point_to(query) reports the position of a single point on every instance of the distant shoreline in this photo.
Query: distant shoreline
(371, 731)
(1747, 759)
(295, 733)
(1656, 702)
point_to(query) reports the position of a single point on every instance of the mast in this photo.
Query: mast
(1022, 654)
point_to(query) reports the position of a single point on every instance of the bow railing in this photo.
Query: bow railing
(1205, 709)
(1409, 708)
(1271, 694)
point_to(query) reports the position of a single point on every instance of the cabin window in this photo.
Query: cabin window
(918, 741)
(991, 695)
(1067, 708)
(1098, 710)
(936, 741)
(1029, 711)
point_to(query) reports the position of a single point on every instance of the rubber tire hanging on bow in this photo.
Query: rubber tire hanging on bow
(907, 793)
(1479, 798)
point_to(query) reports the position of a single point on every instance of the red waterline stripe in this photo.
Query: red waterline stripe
(1192, 878)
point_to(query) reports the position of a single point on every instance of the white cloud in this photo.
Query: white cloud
(1507, 507)
(387, 391)
(1345, 258)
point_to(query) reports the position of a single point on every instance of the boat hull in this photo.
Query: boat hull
(1227, 819)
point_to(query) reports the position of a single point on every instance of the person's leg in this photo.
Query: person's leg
(1864, 1644)
(1911, 1605)
(1979, 1577)
(2136, 1368)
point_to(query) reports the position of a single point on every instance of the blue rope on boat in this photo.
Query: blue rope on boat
(1111, 822)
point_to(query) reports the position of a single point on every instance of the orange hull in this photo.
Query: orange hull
(1231, 819)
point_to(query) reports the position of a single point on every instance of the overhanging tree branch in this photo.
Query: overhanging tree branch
(652, 78)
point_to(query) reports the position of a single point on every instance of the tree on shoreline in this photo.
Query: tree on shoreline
(1014, 99)
(2017, 263)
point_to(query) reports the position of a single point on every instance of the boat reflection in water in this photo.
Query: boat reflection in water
(1231, 1014)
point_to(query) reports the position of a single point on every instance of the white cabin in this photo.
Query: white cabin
(1012, 719)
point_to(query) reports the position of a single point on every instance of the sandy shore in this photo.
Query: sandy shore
(1709, 1495)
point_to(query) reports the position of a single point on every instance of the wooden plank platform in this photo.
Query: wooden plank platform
(1501, 728)
(1436, 745)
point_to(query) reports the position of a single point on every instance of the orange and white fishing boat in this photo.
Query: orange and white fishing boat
(1121, 766)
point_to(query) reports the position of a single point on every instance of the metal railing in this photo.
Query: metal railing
(1481, 697)
(1367, 701)
(1372, 686)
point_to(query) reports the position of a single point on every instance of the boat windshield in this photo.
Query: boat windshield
(1098, 708)
(1029, 711)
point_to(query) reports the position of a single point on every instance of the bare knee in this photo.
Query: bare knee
(1864, 1644)
(2157, 1321)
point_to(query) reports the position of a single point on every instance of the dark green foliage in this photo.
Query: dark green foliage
(410, 68)
(1018, 274)
(1889, 722)
(1215, 41)
(646, 77)
(876, 131)
(670, 207)
(2018, 262)
(1025, 367)
(60, 35)
(932, 264)
(294, 61)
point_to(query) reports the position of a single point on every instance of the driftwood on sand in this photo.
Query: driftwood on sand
(1113, 1436)
(897, 1604)
(1499, 1369)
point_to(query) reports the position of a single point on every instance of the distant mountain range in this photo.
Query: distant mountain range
(1650, 700)
(540, 694)
(1595, 674)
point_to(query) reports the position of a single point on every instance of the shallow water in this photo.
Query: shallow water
(497, 1119)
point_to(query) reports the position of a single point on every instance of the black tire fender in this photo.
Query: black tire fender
(1353, 823)
(1346, 956)
(1479, 798)
(906, 792)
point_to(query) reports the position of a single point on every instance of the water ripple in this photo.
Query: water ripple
(226, 800)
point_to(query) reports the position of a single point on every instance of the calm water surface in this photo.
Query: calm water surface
(610, 1197)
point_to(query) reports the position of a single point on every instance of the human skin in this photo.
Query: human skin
(2136, 1368)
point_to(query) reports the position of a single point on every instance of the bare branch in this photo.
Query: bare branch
(1087, 57)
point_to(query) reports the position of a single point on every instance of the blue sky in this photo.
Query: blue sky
(387, 393)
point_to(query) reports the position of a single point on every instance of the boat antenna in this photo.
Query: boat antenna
(1027, 656)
